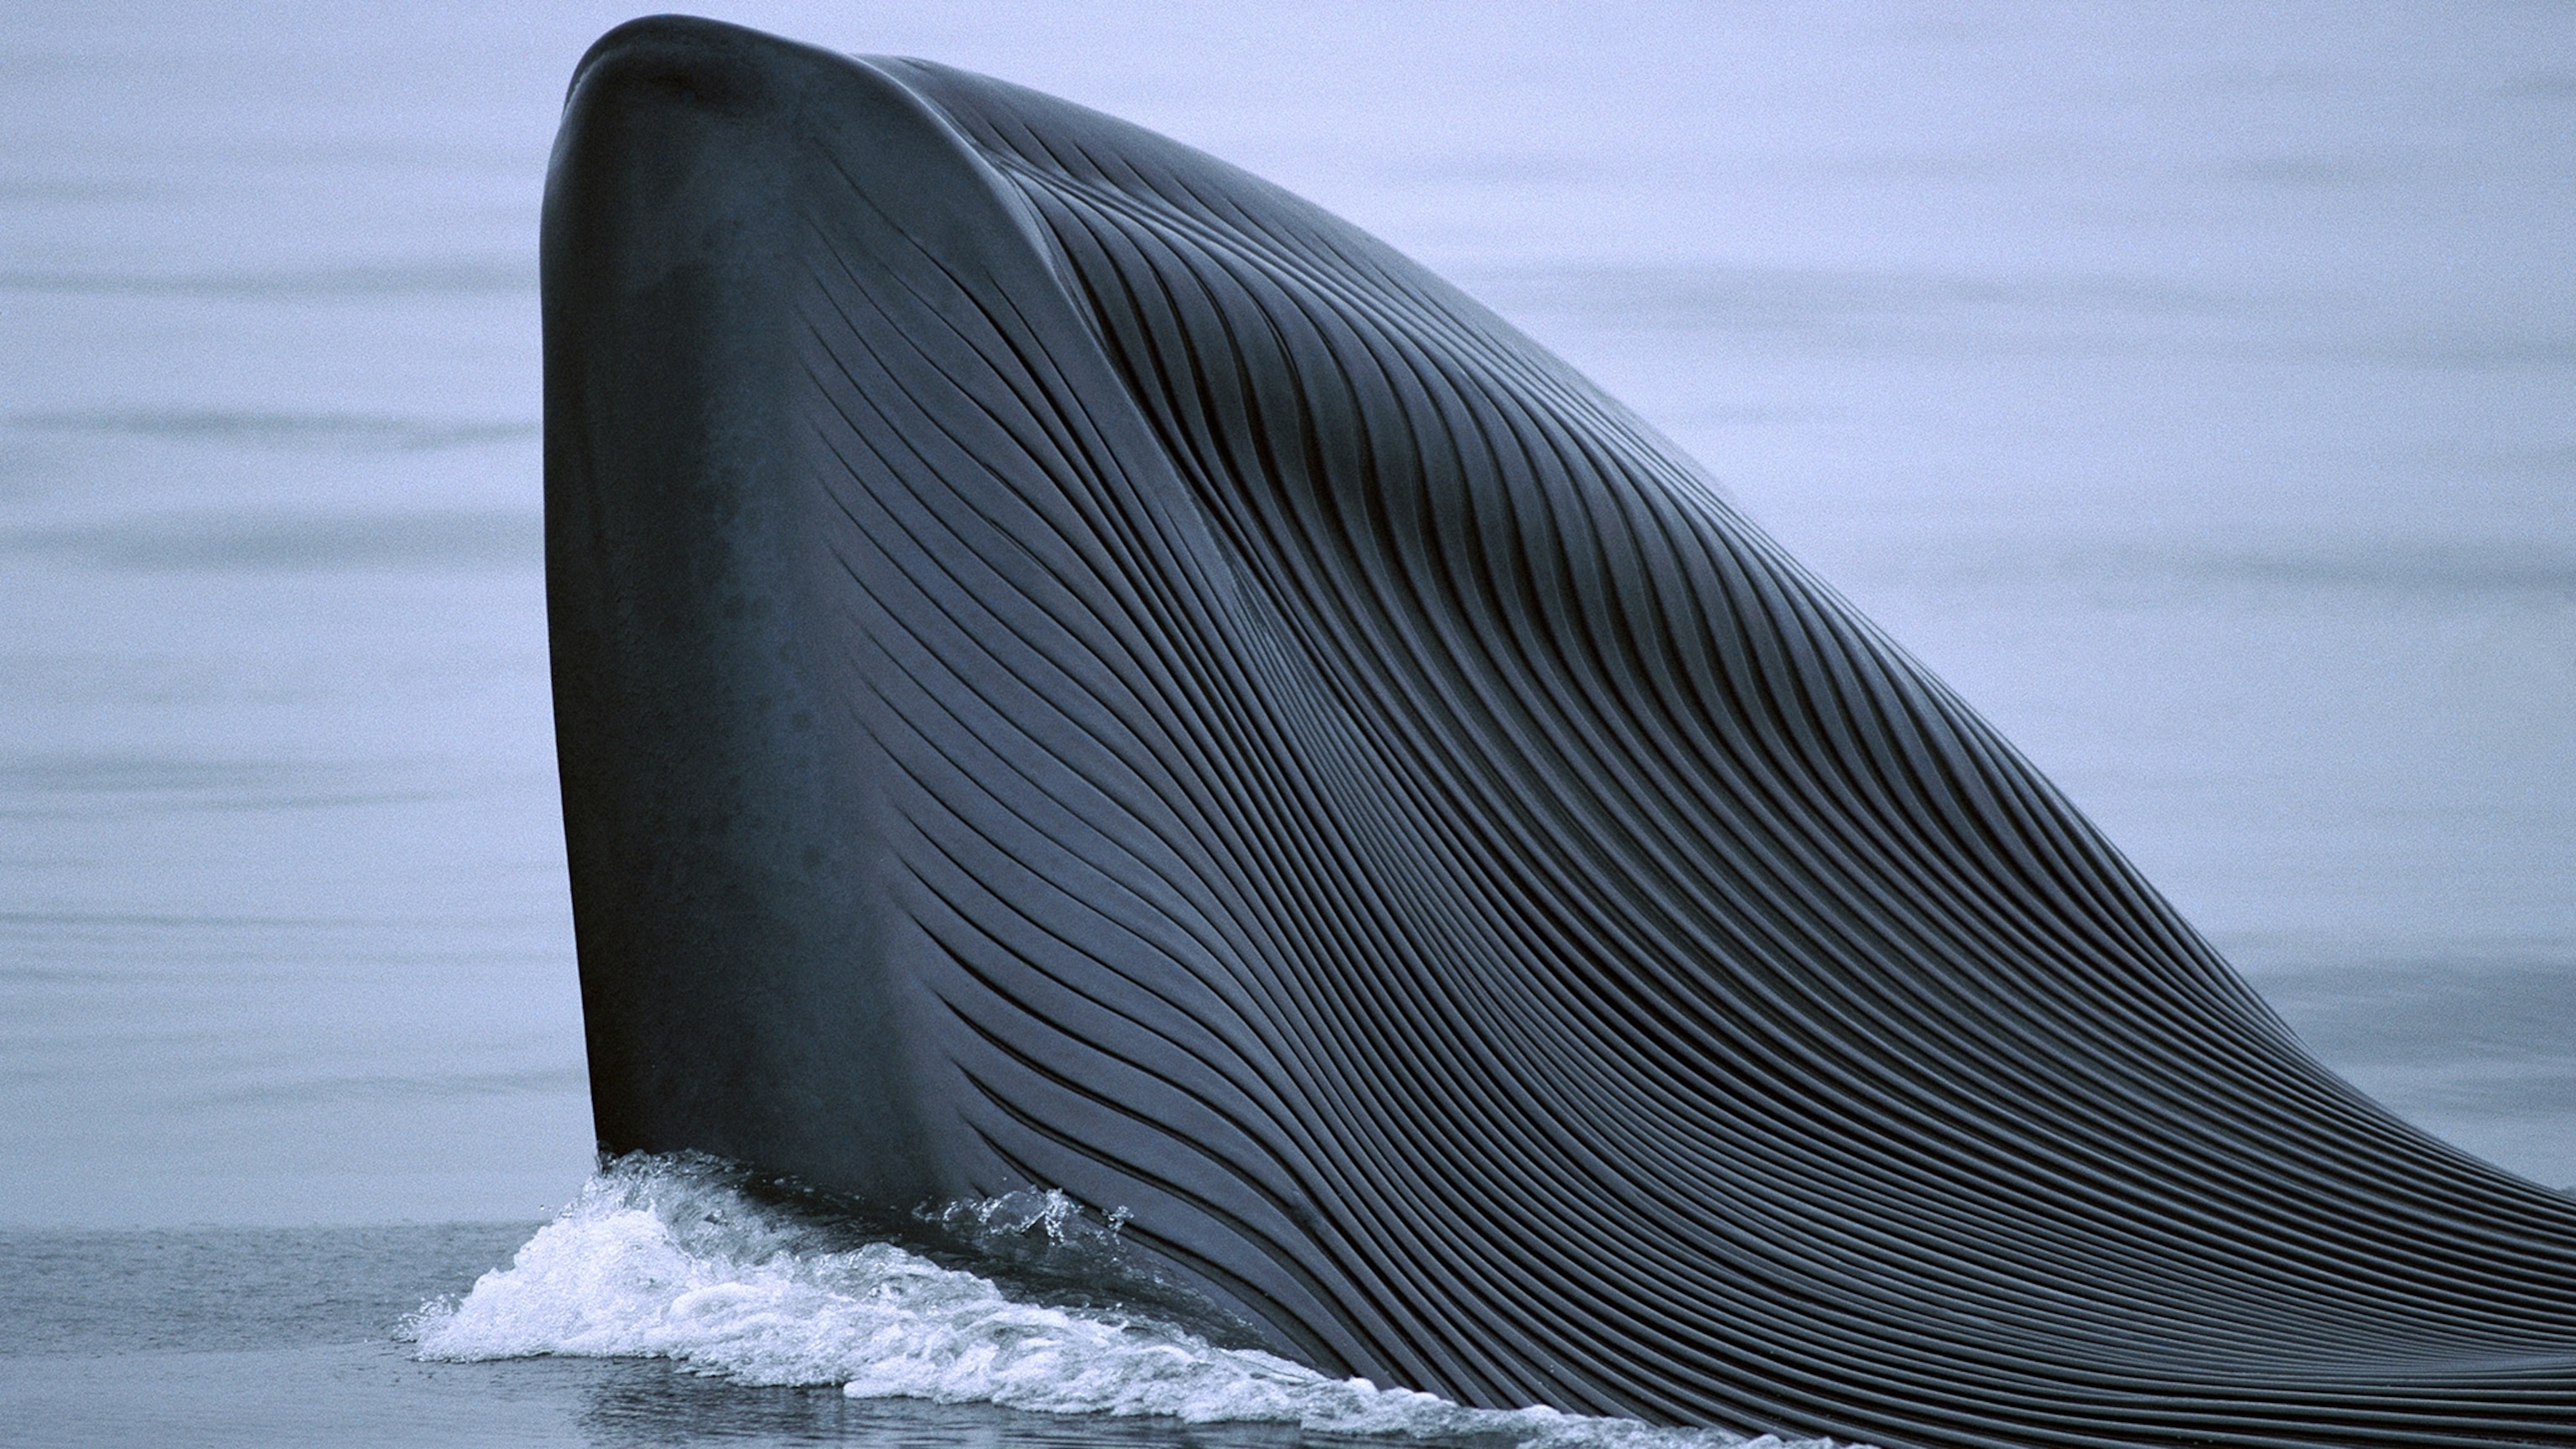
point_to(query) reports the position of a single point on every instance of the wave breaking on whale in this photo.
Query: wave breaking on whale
(665, 1258)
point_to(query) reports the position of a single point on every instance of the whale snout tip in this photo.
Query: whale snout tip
(684, 58)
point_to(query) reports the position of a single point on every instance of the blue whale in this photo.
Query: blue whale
(1075, 667)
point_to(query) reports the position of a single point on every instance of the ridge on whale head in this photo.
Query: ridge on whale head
(1074, 667)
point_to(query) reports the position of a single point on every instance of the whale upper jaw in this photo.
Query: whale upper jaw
(734, 224)
(719, 816)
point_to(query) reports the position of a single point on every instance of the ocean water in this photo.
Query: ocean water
(2195, 390)
(664, 1306)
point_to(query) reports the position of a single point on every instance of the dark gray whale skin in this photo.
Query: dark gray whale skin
(1075, 667)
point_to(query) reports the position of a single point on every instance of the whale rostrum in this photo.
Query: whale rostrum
(1075, 668)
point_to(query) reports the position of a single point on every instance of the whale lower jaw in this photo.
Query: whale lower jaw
(1075, 668)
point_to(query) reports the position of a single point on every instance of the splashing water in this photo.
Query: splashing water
(664, 1258)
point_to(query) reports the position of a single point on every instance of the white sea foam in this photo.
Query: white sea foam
(659, 1259)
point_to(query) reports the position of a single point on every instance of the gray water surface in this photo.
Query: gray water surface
(265, 1338)
(2194, 387)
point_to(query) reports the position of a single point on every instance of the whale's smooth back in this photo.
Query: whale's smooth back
(1075, 667)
